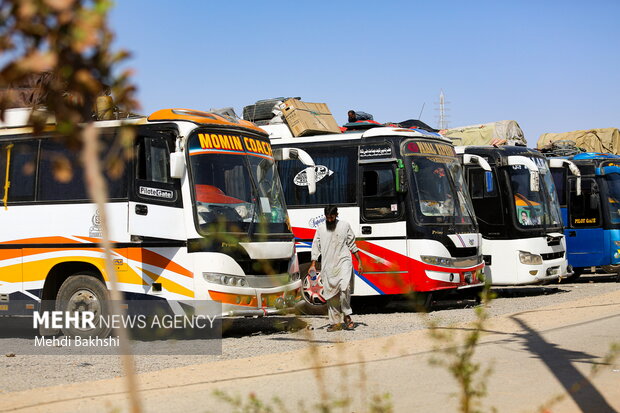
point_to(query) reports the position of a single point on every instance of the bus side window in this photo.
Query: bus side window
(61, 177)
(336, 177)
(379, 198)
(487, 205)
(114, 165)
(583, 212)
(152, 173)
(478, 185)
(559, 178)
(3, 155)
(22, 171)
(153, 160)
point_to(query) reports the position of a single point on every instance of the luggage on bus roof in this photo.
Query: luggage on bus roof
(602, 140)
(503, 132)
(359, 115)
(262, 110)
(368, 124)
(362, 125)
(417, 124)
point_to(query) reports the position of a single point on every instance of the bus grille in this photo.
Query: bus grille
(268, 281)
(552, 255)
(263, 267)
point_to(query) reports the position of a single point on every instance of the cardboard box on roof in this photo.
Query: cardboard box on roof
(305, 118)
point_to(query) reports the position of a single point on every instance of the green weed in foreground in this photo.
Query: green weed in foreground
(252, 404)
(351, 392)
(456, 354)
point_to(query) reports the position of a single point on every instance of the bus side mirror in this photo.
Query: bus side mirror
(534, 181)
(285, 154)
(471, 159)
(593, 199)
(177, 165)
(531, 166)
(488, 177)
(401, 177)
(311, 179)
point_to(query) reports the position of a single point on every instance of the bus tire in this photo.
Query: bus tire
(611, 269)
(84, 292)
(422, 301)
(307, 305)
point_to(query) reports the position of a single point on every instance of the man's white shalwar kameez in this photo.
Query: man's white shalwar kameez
(335, 248)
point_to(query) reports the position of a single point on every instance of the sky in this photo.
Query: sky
(553, 66)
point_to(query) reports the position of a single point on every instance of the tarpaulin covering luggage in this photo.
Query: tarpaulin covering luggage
(414, 123)
(604, 140)
(484, 134)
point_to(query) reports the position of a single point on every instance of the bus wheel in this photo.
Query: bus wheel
(79, 293)
(422, 301)
(611, 269)
(313, 302)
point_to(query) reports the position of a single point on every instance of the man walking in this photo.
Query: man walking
(334, 241)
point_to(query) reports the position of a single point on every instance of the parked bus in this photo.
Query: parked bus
(518, 214)
(402, 191)
(590, 210)
(198, 214)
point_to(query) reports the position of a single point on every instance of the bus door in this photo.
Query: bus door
(560, 179)
(585, 241)
(559, 171)
(17, 184)
(155, 204)
(383, 229)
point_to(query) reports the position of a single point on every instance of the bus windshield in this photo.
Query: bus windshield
(439, 190)
(237, 191)
(612, 182)
(534, 209)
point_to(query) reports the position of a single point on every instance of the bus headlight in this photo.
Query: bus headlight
(530, 259)
(225, 279)
(617, 243)
(431, 259)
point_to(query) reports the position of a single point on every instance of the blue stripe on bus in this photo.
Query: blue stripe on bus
(369, 283)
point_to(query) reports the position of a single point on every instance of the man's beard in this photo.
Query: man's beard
(331, 226)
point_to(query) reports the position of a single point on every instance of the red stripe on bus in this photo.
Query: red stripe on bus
(152, 258)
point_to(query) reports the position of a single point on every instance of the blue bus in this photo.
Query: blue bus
(590, 206)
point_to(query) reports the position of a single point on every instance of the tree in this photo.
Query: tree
(60, 50)
(58, 59)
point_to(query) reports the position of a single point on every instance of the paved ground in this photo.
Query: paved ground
(535, 355)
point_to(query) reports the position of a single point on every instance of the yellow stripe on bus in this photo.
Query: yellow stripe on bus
(168, 285)
(39, 269)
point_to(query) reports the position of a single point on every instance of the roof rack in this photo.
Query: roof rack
(562, 148)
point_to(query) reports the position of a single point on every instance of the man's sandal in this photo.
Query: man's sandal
(348, 323)
(334, 327)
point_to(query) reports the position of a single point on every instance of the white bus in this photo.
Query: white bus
(402, 190)
(198, 214)
(519, 214)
